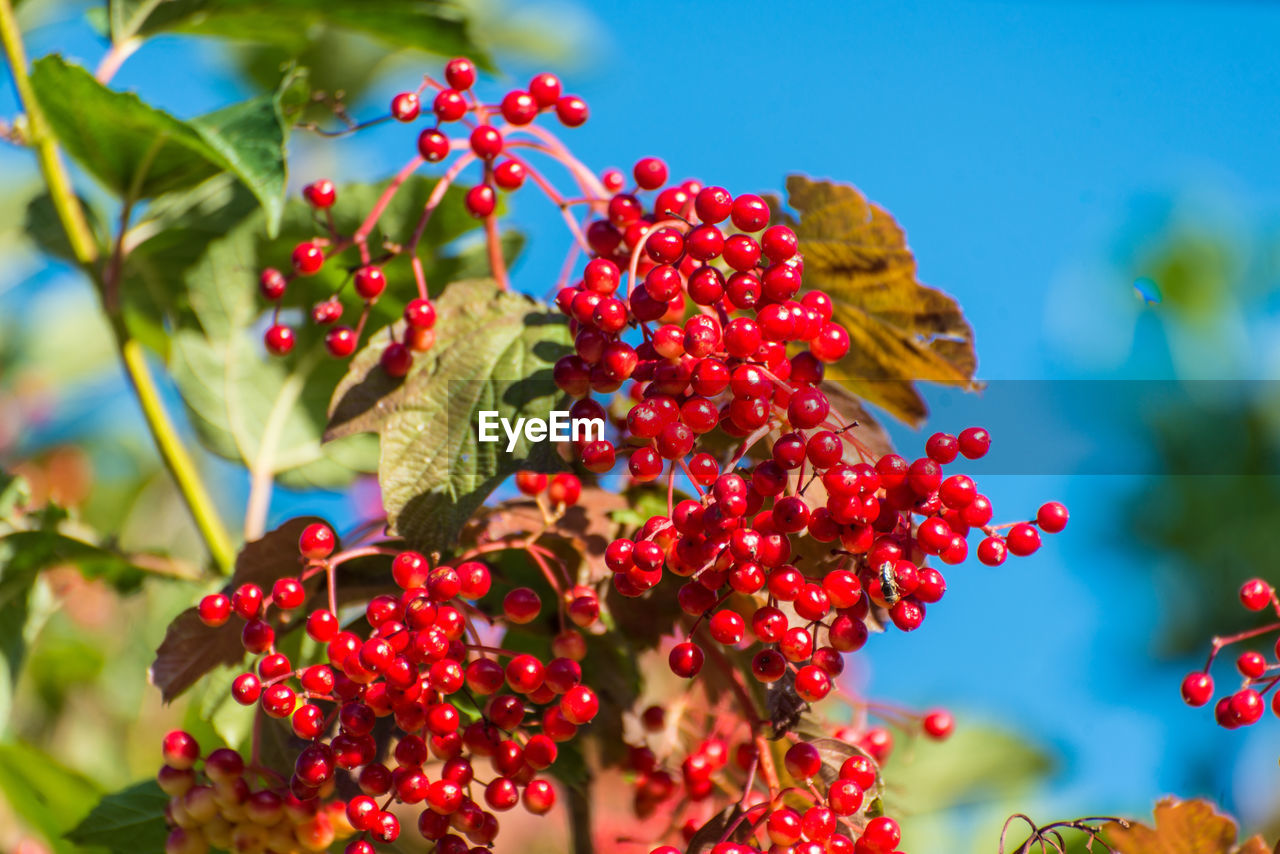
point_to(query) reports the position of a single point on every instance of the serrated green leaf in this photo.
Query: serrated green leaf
(494, 351)
(127, 821)
(46, 795)
(429, 25)
(139, 152)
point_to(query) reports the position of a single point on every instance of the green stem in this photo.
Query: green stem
(174, 453)
(85, 248)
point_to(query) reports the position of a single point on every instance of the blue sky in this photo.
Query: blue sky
(1017, 143)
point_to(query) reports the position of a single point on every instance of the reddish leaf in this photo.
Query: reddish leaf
(583, 530)
(1181, 827)
(191, 649)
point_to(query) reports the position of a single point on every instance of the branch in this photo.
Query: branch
(579, 822)
(84, 247)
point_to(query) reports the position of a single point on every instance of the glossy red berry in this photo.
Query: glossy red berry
(545, 89)
(317, 541)
(396, 359)
(214, 610)
(433, 145)
(1052, 517)
(571, 110)
(307, 259)
(1255, 594)
(271, 284)
(279, 339)
(320, 194)
(340, 341)
(405, 107)
(938, 724)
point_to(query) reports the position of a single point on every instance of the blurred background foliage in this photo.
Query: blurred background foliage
(1181, 286)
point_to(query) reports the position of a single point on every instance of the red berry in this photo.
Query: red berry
(340, 341)
(521, 605)
(509, 175)
(214, 610)
(1255, 594)
(481, 201)
(571, 110)
(802, 760)
(1023, 540)
(180, 750)
(519, 108)
(650, 173)
(321, 194)
(531, 482)
(1251, 664)
(974, 442)
(460, 73)
(405, 107)
(685, 659)
(271, 284)
(1052, 517)
(307, 259)
(939, 724)
(545, 89)
(486, 142)
(396, 359)
(279, 339)
(433, 145)
(370, 282)
(565, 489)
(750, 213)
(317, 541)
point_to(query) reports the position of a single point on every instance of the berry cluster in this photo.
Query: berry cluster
(730, 758)
(213, 803)
(693, 327)
(484, 131)
(452, 699)
(1258, 674)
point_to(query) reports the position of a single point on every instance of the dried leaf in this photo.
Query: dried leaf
(191, 649)
(1255, 845)
(900, 331)
(1181, 827)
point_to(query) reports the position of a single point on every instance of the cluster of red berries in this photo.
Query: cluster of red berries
(452, 701)
(799, 542)
(213, 803)
(1258, 674)
(487, 125)
(729, 762)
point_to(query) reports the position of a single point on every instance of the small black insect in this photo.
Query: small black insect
(888, 583)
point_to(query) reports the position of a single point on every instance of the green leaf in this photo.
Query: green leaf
(46, 795)
(977, 764)
(46, 231)
(494, 351)
(430, 25)
(127, 821)
(140, 152)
